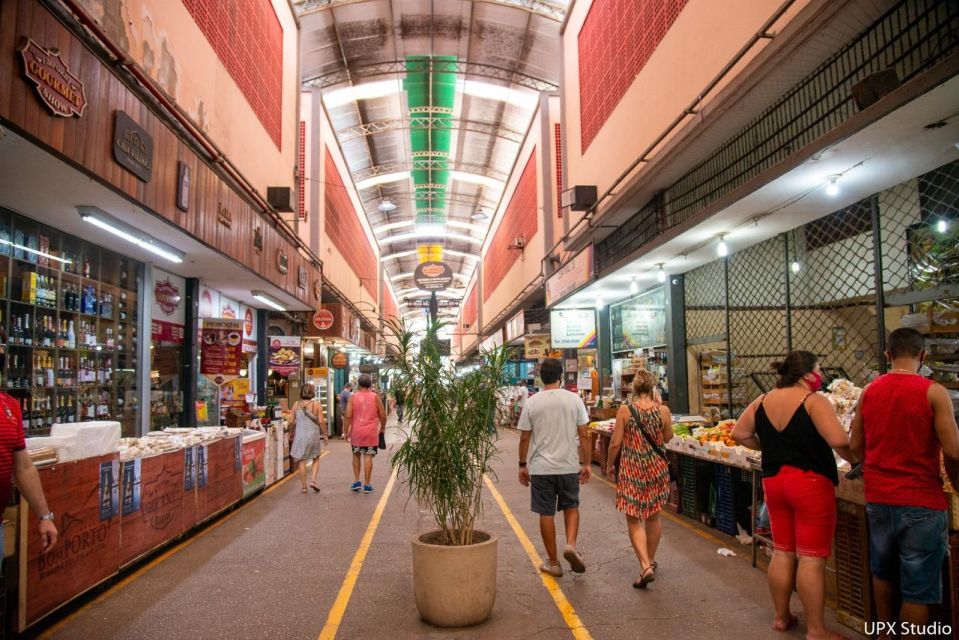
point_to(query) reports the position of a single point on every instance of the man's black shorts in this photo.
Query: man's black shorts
(554, 493)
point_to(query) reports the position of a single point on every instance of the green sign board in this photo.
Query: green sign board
(639, 322)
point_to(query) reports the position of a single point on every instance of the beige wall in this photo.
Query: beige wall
(706, 35)
(163, 39)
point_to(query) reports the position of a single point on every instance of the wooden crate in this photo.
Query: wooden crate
(854, 599)
(152, 504)
(88, 549)
(218, 484)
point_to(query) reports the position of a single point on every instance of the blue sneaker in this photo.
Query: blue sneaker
(356, 486)
(367, 488)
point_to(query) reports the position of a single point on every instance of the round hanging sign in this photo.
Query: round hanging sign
(323, 319)
(433, 276)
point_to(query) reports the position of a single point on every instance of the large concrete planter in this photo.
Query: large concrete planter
(454, 586)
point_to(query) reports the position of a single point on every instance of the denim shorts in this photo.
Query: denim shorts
(908, 545)
(552, 493)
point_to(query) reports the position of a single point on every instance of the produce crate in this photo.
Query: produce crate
(725, 500)
(854, 601)
(675, 489)
(687, 485)
(600, 449)
(697, 483)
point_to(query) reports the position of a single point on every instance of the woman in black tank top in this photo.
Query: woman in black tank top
(796, 430)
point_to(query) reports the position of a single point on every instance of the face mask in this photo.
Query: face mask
(816, 384)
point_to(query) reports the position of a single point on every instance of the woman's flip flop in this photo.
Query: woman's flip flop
(792, 622)
(314, 487)
(648, 575)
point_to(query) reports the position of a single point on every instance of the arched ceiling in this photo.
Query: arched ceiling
(430, 101)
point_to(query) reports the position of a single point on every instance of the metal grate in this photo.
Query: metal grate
(911, 37)
(705, 304)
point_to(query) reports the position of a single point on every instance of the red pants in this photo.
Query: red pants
(802, 511)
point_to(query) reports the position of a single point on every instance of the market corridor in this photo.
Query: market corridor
(274, 569)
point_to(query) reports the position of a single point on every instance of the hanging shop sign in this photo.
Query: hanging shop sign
(258, 239)
(168, 319)
(536, 346)
(282, 261)
(209, 302)
(248, 314)
(323, 319)
(285, 354)
(492, 342)
(639, 322)
(58, 89)
(424, 303)
(570, 277)
(433, 276)
(316, 372)
(132, 146)
(340, 360)
(224, 216)
(572, 328)
(516, 326)
(301, 278)
(221, 349)
(183, 172)
(233, 394)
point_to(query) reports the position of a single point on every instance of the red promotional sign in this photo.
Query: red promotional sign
(166, 298)
(221, 349)
(323, 319)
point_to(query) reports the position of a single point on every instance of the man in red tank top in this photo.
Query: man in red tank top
(902, 423)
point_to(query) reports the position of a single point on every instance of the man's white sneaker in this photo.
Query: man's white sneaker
(575, 559)
(555, 570)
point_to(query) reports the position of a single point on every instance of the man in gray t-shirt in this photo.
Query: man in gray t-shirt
(554, 457)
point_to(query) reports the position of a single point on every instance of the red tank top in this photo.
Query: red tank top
(902, 449)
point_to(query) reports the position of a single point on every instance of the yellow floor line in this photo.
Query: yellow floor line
(674, 518)
(117, 586)
(335, 616)
(573, 621)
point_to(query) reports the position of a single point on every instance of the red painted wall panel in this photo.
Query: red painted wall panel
(248, 39)
(344, 228)
(615, 43)
(469, 316)
(558, 139)
(520, 219)
(390, 309)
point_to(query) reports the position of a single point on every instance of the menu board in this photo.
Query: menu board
(639, 322)
(285, 354)
(221, 349)
(573, 328)
(536, 346)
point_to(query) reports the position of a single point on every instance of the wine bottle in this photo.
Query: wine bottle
(71, 337)
(27, 333)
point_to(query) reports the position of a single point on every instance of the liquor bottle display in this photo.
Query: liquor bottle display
(68, 321)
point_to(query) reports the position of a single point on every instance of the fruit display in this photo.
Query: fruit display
(603, 426)
(722, 433)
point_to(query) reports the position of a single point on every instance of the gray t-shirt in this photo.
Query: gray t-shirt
(553, 416)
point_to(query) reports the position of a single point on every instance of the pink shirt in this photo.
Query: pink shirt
(365, 422)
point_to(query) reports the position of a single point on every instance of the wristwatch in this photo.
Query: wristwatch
(522, 464)
(49, 517)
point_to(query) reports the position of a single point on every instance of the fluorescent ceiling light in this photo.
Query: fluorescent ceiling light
(401, 254)
(393, 225)
(456, 224)
(418, 235)
(105, 221)
(365, 91)
(44, 254)
(461, 254)
(430, 229)
(475, 178)
(384, 178)
(267, 300)
(526, 100)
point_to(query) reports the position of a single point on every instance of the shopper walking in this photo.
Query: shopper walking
(902, 424)
(15, 463)
(364, 421)
(795, 427)
(309, 433)
(399, 399)
(554, 457)
(642, 429)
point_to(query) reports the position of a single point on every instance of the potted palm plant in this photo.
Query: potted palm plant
(452, 439)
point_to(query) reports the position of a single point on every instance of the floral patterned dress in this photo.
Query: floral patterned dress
(642, 488)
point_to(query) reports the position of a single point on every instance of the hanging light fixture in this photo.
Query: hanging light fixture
(634, 286)
(832, 188)
(599, 302)
(722, 250)
(661, 273)
(480, 215)
(386, 206)
(795, 266)
(942, 225)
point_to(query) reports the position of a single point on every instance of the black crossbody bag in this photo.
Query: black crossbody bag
(661, 451)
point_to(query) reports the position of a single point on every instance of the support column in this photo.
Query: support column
(878, 279)
(189, 369)
(677, 374)
(262, 354)
(604, 349)
(144, 330)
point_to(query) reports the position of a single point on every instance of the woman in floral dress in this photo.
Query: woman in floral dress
(642, 482)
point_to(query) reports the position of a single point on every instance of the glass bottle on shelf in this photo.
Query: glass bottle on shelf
(71, 336)
(27, 333)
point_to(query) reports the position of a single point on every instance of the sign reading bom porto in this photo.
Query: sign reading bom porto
(58, 89)
(323, 319)
(285, 354)
(221, 349)
(132, 146)
(433, 276)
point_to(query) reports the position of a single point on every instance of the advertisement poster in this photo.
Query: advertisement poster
(233, 394)
(573, 328)
(570, 277)
(221, 350)
(639, 322)
(131, 485)
(189, 468)
(209, 302)
(537, 346)
(229, 308)
(285, 354)
(109, 489)
(168, 318)
(248, 315)
(202, 469)
(254, 466)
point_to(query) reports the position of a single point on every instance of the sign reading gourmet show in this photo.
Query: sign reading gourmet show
(433, 276)
(573, 328)
(58, 89)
